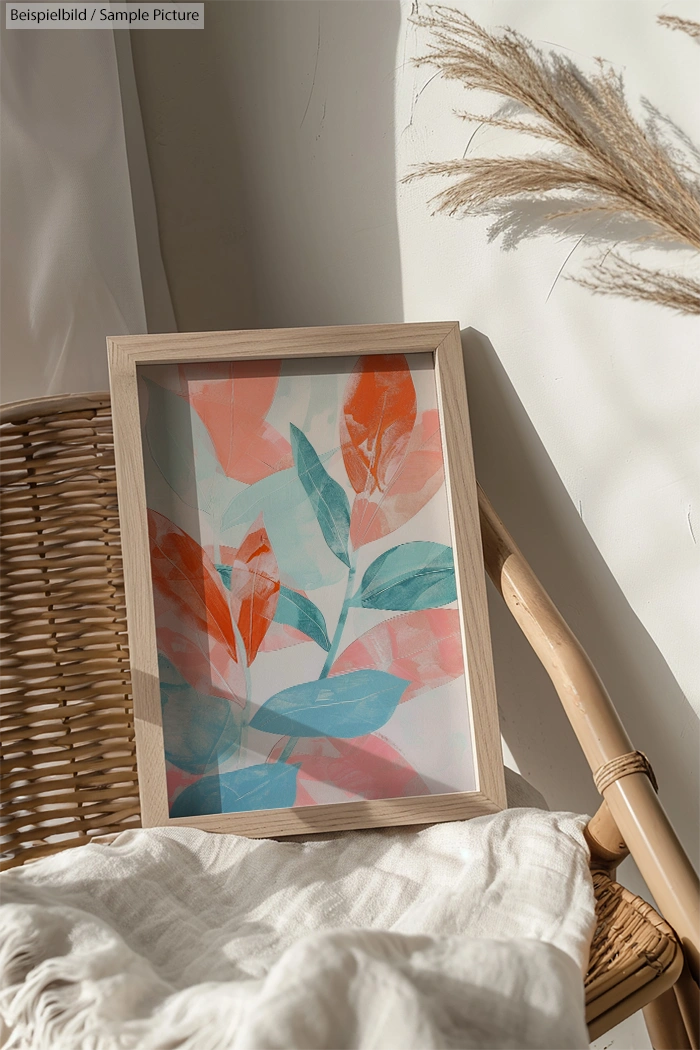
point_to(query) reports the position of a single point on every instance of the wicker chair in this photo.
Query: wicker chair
(69, 769)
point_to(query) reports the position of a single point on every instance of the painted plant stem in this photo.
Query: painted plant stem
(247, 710)
(288, 748)
(293, 740)
(333, 651)
(243, 660)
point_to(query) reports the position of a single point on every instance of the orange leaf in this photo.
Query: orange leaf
(232, 402)
(255, 585)
(414, 477)
(366, 767)
(379, 411)
(424, 647)
(186, 581)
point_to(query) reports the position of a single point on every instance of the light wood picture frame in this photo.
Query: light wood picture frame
(204, 430)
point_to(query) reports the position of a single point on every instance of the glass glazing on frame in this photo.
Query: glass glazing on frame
(309, 640)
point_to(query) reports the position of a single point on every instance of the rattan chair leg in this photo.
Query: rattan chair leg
(607, 846)
(688, 996)
(665, 1024)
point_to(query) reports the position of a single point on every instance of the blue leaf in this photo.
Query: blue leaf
(269, 786)
(199, 731)
(347, 705)
(327, 497)
(298, 611)
(418, 575)
(291, 524)
(225, 572)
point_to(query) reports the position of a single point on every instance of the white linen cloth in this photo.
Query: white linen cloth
(460, 935)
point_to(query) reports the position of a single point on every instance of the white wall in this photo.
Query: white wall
(584, 409)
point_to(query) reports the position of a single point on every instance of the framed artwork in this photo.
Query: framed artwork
(305, 591)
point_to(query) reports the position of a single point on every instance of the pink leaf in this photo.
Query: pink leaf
(415, 475)
(255, 585)
(367, 767)
(232, 402)
(202, 661)
(176, 781)
(379, 411)
(281, 636)
(422, 647)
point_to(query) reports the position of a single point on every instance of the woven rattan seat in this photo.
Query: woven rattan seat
(69, 770)
(632, 952)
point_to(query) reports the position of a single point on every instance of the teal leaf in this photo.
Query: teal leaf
(418, 575)
(298, 611)
(347, 705)
(225, 572)
(327, 497)
(269, 786)
(199, 731)
(291, 524)
(181, 447)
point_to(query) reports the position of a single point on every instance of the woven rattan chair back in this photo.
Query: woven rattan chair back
(68, 757)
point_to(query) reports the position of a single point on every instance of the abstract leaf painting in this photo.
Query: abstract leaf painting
(309, 639)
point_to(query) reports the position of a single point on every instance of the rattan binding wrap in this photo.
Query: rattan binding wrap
(68, 762)
(69, 767)
(623, 766)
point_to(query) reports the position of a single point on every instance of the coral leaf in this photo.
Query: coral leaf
(281, 636)
(379, 411)
(365, 768)
(414, 478)
(187, 583)
(232, 403)
(423, 647)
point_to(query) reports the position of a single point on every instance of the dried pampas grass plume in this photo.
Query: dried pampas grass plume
(684, 24)
(601, 162)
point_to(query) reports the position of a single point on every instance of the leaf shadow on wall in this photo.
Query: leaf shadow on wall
(520, 480)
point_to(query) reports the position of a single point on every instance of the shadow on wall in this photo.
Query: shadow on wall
(526, 491)
(312, 85)
(189, 127)
(270, 135)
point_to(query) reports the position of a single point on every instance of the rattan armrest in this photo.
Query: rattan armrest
(632, 817)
